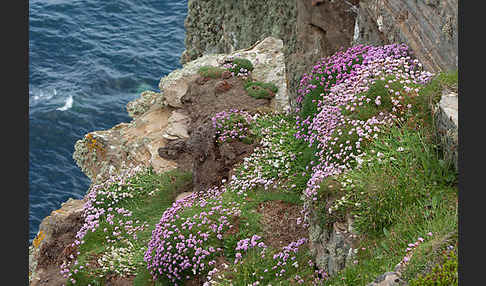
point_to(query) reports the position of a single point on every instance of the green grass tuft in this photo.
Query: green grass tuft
(211, 71)
(260, 90)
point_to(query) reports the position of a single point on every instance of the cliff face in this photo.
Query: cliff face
(428, 27)
(314, 29)
(309, 30)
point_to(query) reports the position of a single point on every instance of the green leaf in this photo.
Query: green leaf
(385, 231)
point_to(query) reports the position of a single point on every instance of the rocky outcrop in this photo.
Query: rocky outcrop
(220, 26)
(311, 30)
(53, 243)
(169, 130)
(334, 246)
(447, 124)
(428, 27)
(162, 118)
(388, 279)
(308, 30)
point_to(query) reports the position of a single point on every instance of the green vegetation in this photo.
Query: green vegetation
(240, 66)
(401, 190)
(258, 89)
(103, 254)
(211, 71)
(374, 158)
(443, 274)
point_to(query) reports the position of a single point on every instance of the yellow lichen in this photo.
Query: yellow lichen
(37, 240)
(57, 211)
(95, 145)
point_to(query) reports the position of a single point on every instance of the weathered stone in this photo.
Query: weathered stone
(220, 26)
(308, 31)
(175, 91)
(428, 27)
(269, 66)
(222, 86)
(142, 104)
(52, 244)
(126, 144)
(447, 123)
(173, 149)
(177, 126)
(388, 279)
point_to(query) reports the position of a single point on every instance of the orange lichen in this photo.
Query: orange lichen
(95, 145)
(37, 240)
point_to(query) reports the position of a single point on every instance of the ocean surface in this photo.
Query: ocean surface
(87, 60)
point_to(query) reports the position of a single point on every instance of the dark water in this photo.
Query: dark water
(87, 60)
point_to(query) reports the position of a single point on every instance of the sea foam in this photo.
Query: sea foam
(67, 105)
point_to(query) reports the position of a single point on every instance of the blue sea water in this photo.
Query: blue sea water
(87, 60)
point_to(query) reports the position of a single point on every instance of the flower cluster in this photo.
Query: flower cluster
(101, 209)
(350, 98)
(232, 125)
(119, 260)
(409, 250)
(256, 268)
(239, 67)
(183, 245)
(247, 243)
(288, 252)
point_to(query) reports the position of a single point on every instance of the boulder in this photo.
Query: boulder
(177, 126)
(388, 279)
(447, 123)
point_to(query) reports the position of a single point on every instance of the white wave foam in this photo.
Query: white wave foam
(67, 105)
(41, 96)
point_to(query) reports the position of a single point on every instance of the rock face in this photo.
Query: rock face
(447, 123)
(314, 29)
(308, 31)
(53, 243)
(162, 119)
(428, 27)
(334, 246)
(220, 26)
(322, 28)
(388, 279)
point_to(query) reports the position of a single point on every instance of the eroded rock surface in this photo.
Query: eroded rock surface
(309, 30)
(160, 118)
(334, 245)
(388, 279)
(266, 56)
(447, 123)
(53, 243)
(428, 27)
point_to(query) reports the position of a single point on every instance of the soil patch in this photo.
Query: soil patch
(279, 220)
(119, 281)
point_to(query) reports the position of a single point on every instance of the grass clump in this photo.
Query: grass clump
(239, 67)
(397, 170)
(259, 90)
(211, 71)
(443, 274)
